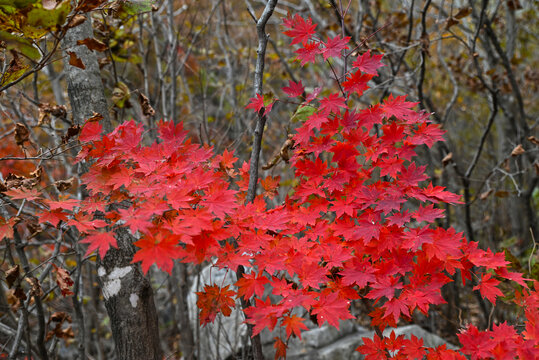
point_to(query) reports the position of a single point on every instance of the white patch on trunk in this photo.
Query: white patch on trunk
(133, 298)
(118, 273)
(111, 288)
(113, 285)
(101, 271)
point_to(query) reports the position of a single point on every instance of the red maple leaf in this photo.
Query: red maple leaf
(300, 29)
(331, 308)
(257, 103)
(398, 107)
(333, 47)
(396, 307)
(54, 217)
(357, 82)
(214, 300)
(476, 343)
(294, 324)
(159, 250)
(307, 54)
(294, 89)
(251, 284)
(385, 286)
(22, 193)
(101, 241)
(333, 103)
(6, 228)
(488, 287)
(368, 63)
(280, 348)
(91, 131)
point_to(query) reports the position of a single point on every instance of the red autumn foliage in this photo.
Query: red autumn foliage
(359, 222)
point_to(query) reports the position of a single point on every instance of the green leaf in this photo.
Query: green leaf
(134, 7)
(19, 4)
(24, 46)
(302, 113)
(41, 21)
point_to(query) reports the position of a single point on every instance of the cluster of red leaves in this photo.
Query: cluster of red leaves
(359, 223)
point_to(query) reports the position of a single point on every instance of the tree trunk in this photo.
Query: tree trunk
(128, 294)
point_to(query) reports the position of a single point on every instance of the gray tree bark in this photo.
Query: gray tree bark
(127, 292)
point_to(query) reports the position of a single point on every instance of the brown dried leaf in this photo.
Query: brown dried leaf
(93, 44)
(485, 194)
(37, 174)
(95, 117)
(147, 109)
(103, 62)
(447, 159)
(12, 274)
(463, 12)
(533, 140)
(518, 150)
(22, 134)
(73, 131)
(63, 185)
(36, 286)
(75, 61)
(76, 21)
(19, 294)
(451, 21)
(64, 281)
(60, 317)
(89, 5)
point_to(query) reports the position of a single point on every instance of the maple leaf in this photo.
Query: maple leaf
(385, 286)
(294, 89)
(331, 308)
(250, 284)
(332, 103)
(413, 348)
(333, 47)
(307, 54)
(257, 103)
(91, 131)
(357, 82)
(6, 228)
(368, 63)
(488, 288)
(84, 222)
(396, 307)
(374, 349)
(101, 241)
(427, 134)
(66, 204)
(301, 30)
(159, 250)
(220, 201)
(54, 217)
(476, 343)
(280, 348)
(214, 300)
(397, 107)
(294, 324)
(22, 193)
(358, 272)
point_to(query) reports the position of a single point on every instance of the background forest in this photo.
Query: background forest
(472, 64)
